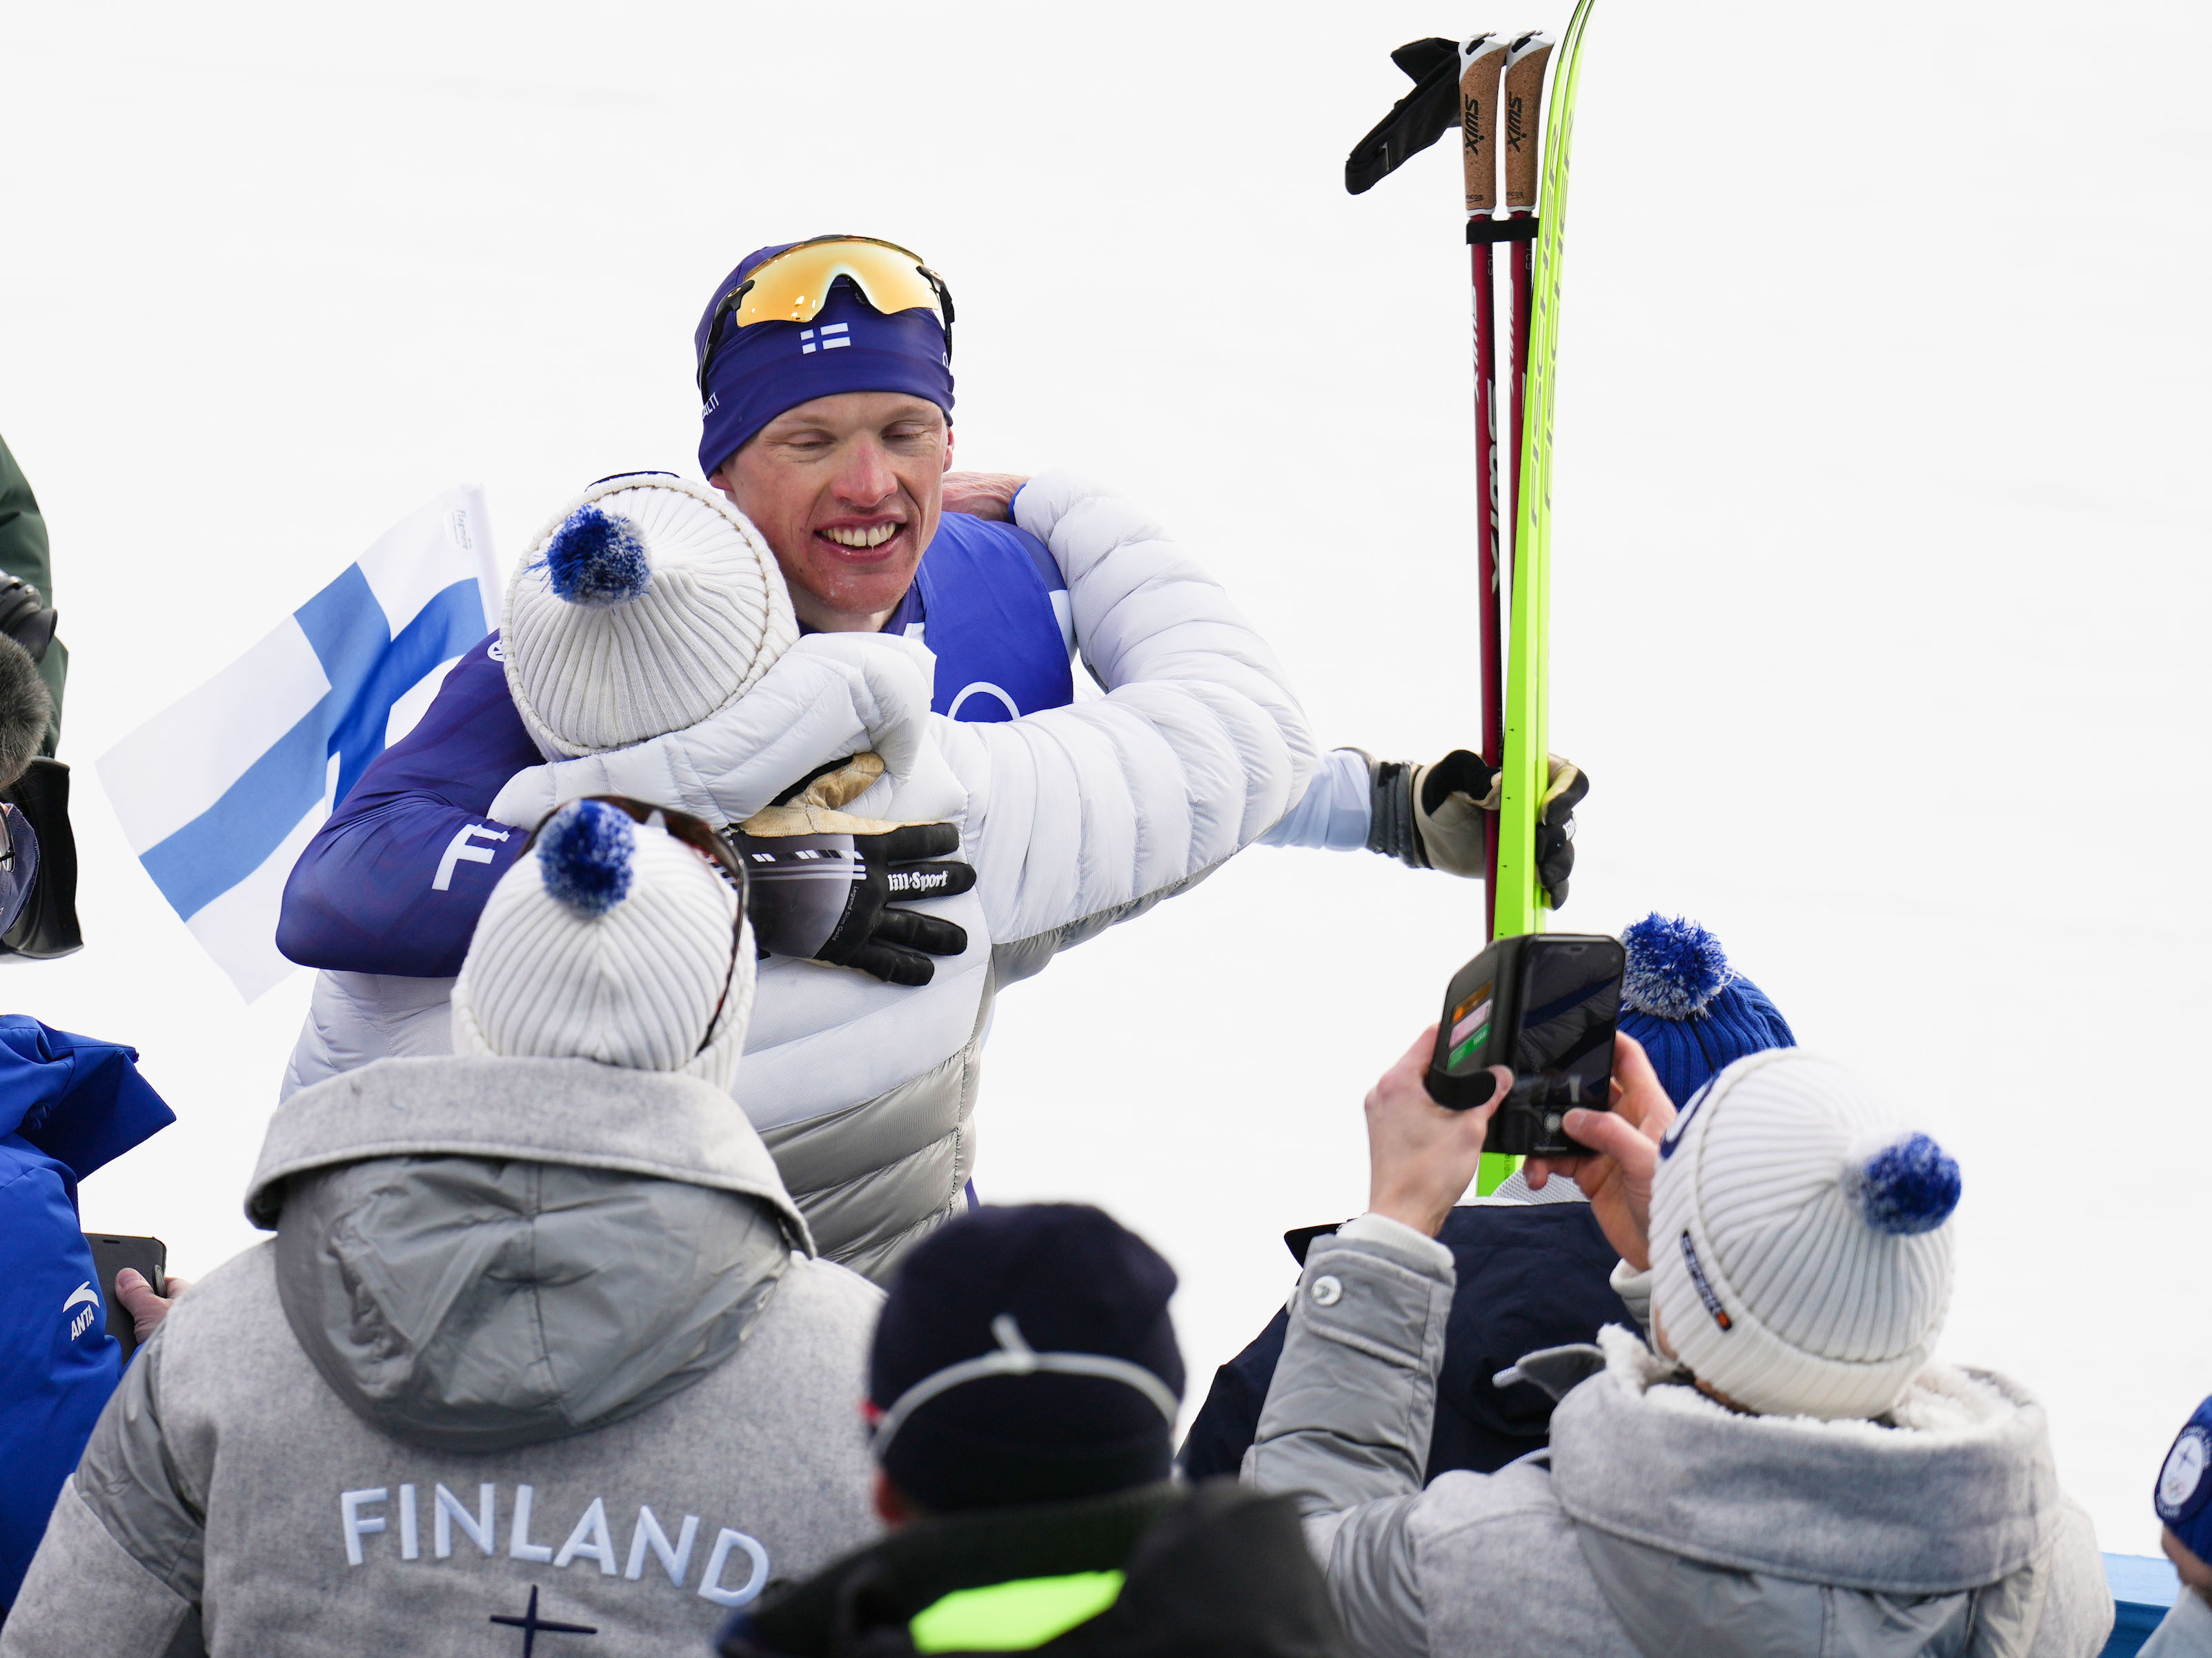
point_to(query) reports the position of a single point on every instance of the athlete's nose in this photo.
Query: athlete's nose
(866, 480)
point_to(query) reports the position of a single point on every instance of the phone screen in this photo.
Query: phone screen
(1570, 999)
(1470, 1027)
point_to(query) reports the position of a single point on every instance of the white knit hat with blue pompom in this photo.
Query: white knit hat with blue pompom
(647, 604)
(612, 941)
(1800, 1262)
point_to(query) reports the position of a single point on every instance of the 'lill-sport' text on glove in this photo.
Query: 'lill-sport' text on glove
(824, 883)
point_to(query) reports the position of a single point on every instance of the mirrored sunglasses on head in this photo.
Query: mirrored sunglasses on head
(693, 832)
(794, 285)
(703, 838)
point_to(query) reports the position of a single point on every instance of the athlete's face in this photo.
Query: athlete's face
(847, 490)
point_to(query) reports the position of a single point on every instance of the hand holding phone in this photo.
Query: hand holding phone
(148, 1257)
(1420, 1161)
(1617, 1176)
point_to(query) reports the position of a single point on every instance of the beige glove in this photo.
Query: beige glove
(1437, 816)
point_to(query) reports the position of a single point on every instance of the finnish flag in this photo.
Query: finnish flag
(220, 794)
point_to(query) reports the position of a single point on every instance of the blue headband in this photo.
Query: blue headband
(2184, 1492)
(761, 371)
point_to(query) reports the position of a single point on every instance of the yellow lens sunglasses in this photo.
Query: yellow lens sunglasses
(794, 285)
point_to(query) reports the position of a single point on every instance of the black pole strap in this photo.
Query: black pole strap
(1501, 230)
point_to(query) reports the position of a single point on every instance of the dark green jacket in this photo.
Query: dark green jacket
(1163, 1571)
(24, 554)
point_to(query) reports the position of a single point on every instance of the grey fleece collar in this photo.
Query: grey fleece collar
(1962, 1493)
(574, 1112)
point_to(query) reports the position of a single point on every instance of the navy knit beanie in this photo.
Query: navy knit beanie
(1694, 1013)
(1072, 1281)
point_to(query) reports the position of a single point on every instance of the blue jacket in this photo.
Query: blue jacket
(68, 1105)
(394, 882)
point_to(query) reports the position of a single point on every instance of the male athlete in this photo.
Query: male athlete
(825, 372)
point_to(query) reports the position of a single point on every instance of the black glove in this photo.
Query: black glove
(828, 897)
(1434, 816)
(1555, 829)
(25, 617)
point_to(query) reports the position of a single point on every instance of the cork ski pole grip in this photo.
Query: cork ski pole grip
(1482, 62)
(1522, 99)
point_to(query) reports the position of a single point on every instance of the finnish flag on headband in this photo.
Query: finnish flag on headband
(219, 795)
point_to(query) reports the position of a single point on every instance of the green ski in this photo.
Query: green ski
(1517, 896)
(1520, 895)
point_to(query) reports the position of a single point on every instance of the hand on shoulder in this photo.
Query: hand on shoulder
(983, 494)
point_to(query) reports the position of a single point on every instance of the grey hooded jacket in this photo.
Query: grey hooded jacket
(1660, 1523)
(535, 1337)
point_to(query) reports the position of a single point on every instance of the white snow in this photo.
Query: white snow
(1881, 546)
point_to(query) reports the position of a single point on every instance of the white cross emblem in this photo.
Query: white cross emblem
(837, 330)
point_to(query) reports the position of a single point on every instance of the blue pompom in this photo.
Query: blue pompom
(1675, 968)
(597, 558)
(1909, 1186)
(584, 856)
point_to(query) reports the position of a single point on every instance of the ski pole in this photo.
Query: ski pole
(1519, 103)
(1482, 63)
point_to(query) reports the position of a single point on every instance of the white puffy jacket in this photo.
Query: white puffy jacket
(1074, 818)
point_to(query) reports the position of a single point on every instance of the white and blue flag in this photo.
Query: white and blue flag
(220, 794)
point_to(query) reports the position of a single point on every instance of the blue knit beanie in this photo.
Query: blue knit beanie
(1073, 1282)
(850, 346)
(1694, 1013)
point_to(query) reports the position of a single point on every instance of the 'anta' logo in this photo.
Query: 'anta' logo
(86, 1297)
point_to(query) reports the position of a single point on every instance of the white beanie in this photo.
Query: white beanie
(647, 604)
(612, 941)
(1800, 1263)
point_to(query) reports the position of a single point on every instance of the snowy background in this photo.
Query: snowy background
(1881, 536)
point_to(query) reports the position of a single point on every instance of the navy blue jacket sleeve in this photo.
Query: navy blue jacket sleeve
(394, 882)
(1229, 1421)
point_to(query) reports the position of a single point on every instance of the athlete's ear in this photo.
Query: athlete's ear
(948, 446)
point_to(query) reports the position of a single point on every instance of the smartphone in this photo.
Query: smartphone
(1545, 1005)
(110, 1255)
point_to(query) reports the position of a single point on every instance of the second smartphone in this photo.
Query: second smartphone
(1543, 1005)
